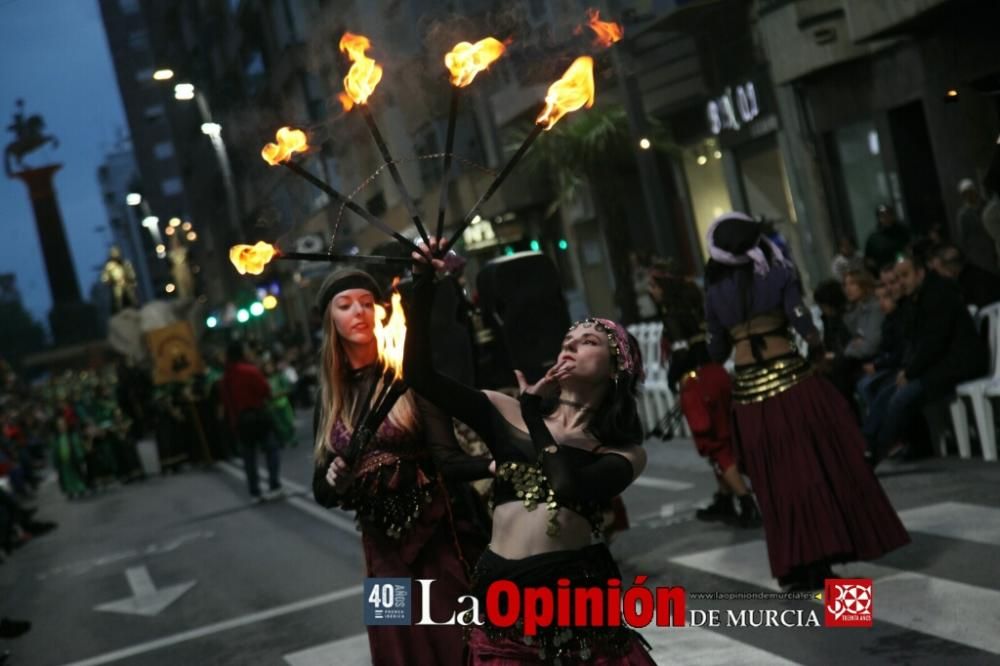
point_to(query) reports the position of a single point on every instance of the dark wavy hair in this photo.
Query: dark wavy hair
(616, 421)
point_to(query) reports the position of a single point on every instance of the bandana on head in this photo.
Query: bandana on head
(626, 354)
(754, 255)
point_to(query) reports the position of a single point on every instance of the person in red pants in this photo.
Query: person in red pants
(705, 390)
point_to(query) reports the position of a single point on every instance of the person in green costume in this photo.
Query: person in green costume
(282, 414)
(68, 459)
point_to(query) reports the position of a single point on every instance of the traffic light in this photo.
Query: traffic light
(256, 309)
(508, 250)
(563, 245)
(242, 316)
(269, 302)
(211, 322)
(535, 247)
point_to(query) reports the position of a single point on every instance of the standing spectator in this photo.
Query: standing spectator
(640, 280)
(979, 287)
(246, 394)
(69, 460)
(887, 241)
(280, 407)
(847, 257)
(973, 239)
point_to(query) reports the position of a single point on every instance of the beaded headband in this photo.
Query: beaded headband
(627, 356)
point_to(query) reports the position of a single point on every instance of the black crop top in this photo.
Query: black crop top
(531, 468)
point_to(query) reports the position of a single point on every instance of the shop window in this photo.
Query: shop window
(864, 184)
(706, 183)
(171, 187)
(163, 150)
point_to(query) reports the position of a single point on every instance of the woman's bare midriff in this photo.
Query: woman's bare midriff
(774, 345)
(772, 327)
(519, 533)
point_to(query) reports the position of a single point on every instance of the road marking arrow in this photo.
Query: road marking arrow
(146, 599)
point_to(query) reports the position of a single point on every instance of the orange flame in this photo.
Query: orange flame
(606, 32)
(574, 90)
(252, 258)
(364, 74)
(466, 60)
(345, 101)
(391, 334)
(290, 141)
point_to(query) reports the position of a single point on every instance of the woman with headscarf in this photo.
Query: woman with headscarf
(563, 449)
(796, 436)
(408, 526)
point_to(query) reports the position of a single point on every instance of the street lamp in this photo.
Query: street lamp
(644, 143)
(184, 91)
(213, 130)
(133, 198)
(163, 75)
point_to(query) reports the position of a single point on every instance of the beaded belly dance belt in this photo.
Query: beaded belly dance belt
(759, 381)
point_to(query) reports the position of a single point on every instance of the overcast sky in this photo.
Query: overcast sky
(54, 55)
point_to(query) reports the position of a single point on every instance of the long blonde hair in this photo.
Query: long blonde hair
(339, 396)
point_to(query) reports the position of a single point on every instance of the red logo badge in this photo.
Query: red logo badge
(848, 602)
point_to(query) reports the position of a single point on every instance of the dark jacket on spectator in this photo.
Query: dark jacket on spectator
(892, 346)
(884, 244)
(945, 347)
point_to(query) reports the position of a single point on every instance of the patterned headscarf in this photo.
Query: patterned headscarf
(623, 346)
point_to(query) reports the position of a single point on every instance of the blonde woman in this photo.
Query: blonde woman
(409, 528)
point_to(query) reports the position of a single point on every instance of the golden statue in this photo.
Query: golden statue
(179, 269)
(120, 276)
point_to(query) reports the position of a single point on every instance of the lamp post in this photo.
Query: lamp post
(186, 92)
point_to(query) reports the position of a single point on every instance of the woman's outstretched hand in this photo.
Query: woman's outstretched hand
(548, 385)
(420, 260)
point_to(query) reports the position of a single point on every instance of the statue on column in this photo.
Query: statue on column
(179, 269)
(29, 136)
(119, 275)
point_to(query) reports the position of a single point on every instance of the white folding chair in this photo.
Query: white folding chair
(979, 392)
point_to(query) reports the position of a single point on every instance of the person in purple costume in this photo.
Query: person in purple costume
(400, 484)
(795, 435)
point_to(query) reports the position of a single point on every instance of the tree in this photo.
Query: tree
(596, 148)
(20, 334)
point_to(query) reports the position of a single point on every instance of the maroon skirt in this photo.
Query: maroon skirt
(820, 500)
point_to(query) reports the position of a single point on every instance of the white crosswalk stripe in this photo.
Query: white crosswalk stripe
(944, 608)
(940, 607)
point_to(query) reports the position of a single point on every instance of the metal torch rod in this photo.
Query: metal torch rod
(346, 258)
(448, 147)
(500, 177)
(383, 148)
(352, 205)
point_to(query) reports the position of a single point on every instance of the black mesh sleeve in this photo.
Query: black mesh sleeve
(464, 403)
(449, 457)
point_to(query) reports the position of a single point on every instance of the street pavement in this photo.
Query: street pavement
(184, 569)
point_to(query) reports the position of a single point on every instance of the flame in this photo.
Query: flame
(606, 32)
(289, 141)
(574, 90)
(345, 101)
(364, 74)
(466, 60)
(391, 335)
(252, 258)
